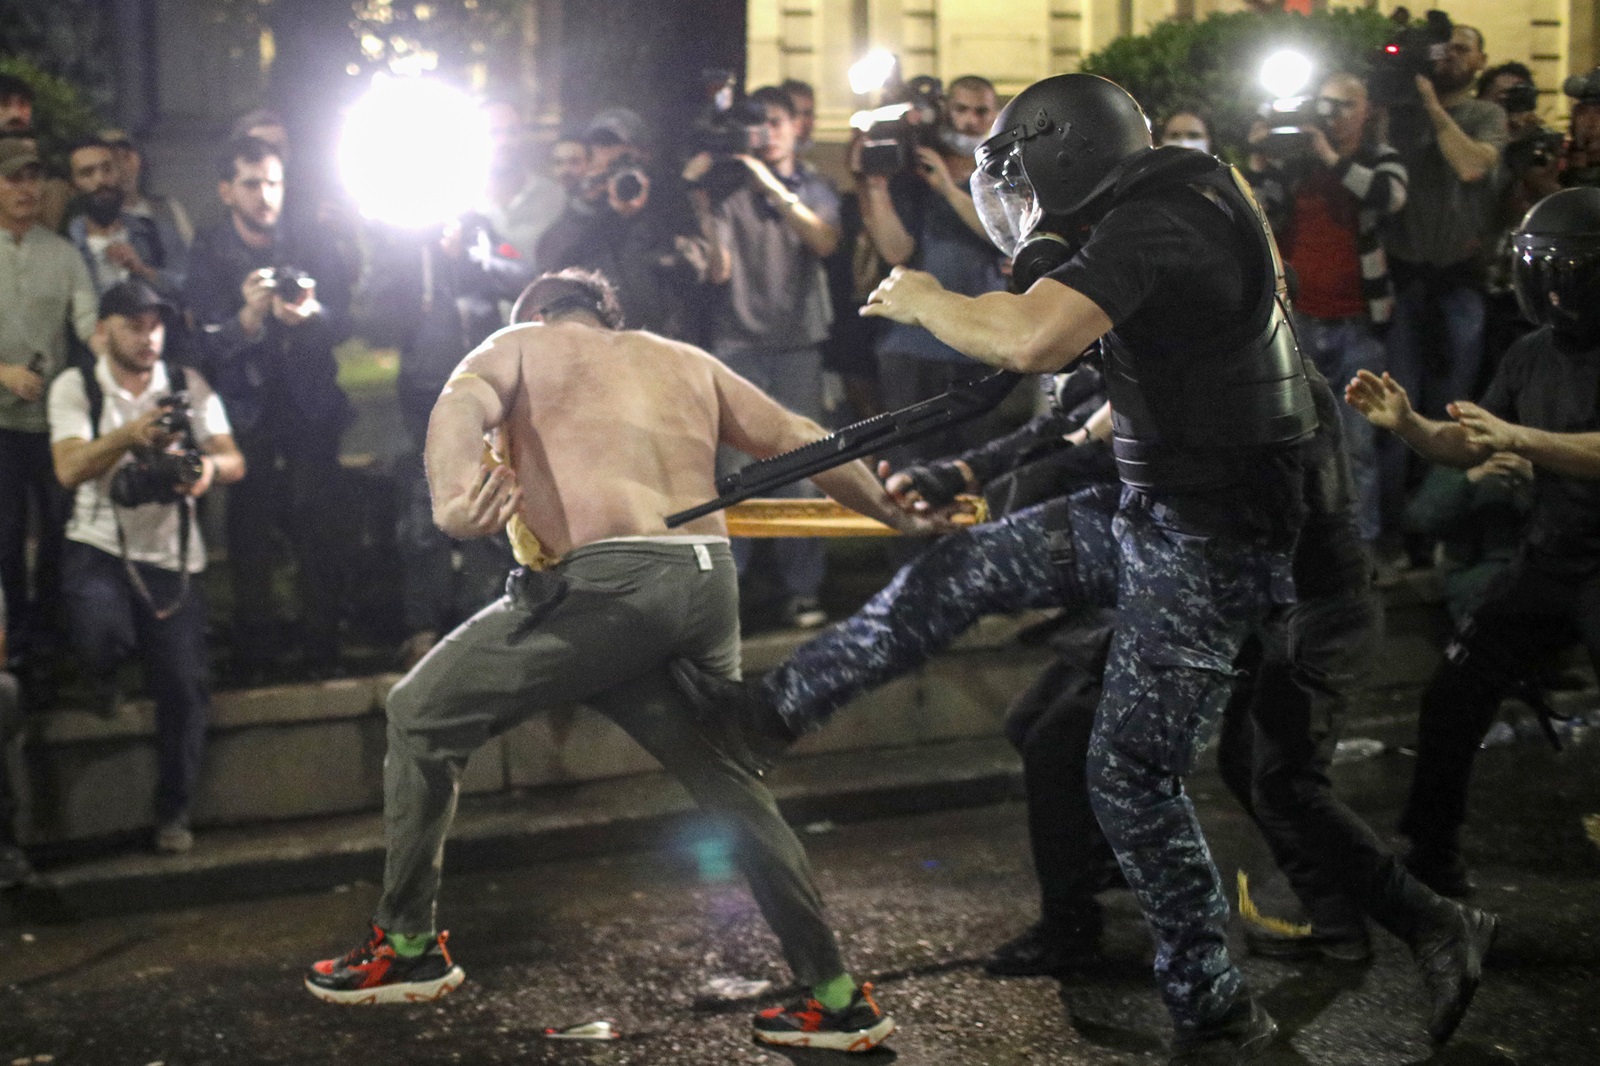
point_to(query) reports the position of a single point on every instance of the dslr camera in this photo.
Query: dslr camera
(623, 183)
(892, 133)
(154, 477)
(291, 283)
(1535, 151)
(1414, 48)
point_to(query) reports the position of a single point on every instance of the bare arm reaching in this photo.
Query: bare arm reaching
(1386, 405)
(471, 499)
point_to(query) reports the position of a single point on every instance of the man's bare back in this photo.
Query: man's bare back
(607, 432)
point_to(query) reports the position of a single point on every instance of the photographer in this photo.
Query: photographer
(635, 226)
(771, 313)
(268, 333)
(1450, 144)
(924, 218)
(1583, 147)
(140, 441)
(1532, 171)
(1326, 195)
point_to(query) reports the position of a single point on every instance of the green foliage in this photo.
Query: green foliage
(60, 112)
(1214, 63)
(70, 39)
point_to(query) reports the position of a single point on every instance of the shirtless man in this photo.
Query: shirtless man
(605, 431)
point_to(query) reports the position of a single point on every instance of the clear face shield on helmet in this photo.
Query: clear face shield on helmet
(1007, 205)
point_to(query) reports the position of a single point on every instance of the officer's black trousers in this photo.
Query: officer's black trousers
(1532, 614)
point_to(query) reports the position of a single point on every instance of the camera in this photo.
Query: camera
(623, 182)
(1520, 98)
(891, 134)
(1584, 88)
(289, 282)
(1535, 151)
(153, 477)
(1413, 49)
(728, 128)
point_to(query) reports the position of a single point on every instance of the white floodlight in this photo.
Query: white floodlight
(1286, 74)
(415, 152)
(871, 72)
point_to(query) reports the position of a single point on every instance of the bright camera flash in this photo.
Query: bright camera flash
(1286, 74)
(871, 71)
(415, 152)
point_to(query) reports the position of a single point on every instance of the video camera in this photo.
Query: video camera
(1414, 48)
(154, 477)
(892, 133)
(727, 127)
(1584, 88)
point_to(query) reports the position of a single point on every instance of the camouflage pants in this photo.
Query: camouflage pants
(1186, 604)
(1186, 601)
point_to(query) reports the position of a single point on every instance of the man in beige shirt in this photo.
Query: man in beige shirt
(44, 290)
(604, 432)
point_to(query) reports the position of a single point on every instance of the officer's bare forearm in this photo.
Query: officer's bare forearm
(1570, 454)
(1038, 332)
(1440, 442)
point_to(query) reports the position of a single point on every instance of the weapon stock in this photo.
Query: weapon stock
(965, 401)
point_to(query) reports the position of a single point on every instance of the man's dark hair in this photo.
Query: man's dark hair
(772, 96)
(80, 143)
(1517, 70)
(246, 149)
(567, 292)
(793, 87)
(976, 83)
(1187, 108)
(14, 88)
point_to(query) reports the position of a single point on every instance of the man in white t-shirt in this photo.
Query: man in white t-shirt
(127, 569)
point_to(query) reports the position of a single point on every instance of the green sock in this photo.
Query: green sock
(409, 947)
(836, 993)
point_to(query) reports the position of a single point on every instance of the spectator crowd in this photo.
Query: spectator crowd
(145, 363)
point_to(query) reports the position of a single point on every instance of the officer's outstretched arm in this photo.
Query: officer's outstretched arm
(1037, 332)
(1570, 454)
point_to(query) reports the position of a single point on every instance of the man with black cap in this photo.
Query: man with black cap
(48, 291)
(1544, 405)
(1163, 262)
(140, 440)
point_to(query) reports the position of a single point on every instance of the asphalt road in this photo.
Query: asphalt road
(918, 900)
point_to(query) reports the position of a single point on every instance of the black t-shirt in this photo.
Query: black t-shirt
(1171, 269)
(1542, 386)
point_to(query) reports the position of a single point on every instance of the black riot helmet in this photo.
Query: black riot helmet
(1556, 269)
(1054, 149)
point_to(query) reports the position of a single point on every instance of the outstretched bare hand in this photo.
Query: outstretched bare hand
(1381, 400)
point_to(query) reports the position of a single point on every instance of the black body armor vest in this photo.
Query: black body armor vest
(1182, 413)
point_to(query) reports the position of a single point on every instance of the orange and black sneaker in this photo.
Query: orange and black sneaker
(376, 973)
(861, 1026)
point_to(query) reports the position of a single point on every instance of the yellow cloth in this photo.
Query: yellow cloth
(525, 546)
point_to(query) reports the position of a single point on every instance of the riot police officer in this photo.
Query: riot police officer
(1541, 405)
(1161, 260)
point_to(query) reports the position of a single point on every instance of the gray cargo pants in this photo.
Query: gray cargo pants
(599, 628)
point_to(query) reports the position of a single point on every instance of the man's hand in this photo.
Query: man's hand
(1429, 95)
(1484, 430)
(765, 180)
(698, 166)
(22, 382)
(1381, 400)
(202, 484)
(932, 168)
(450, 241)
(1508, 465)
(900, 296)
(1321, 147)
(486, 510)
(123, 255)
(924, 487)
(258, 295)
(143, 434)
(926, 524)
(300, 311)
